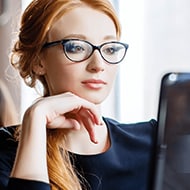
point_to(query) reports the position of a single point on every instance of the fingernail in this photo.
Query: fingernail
(95, 141)
(101, 123)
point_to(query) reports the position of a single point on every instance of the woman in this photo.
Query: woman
(73, 48)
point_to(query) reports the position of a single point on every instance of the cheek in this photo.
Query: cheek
(55, 62)
(112, 72)
(54, 57)
(61, 75)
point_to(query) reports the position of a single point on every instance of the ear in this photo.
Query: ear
(39, 67)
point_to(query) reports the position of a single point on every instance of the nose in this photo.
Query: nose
(96, 62)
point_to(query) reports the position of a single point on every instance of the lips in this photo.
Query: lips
(94, 83)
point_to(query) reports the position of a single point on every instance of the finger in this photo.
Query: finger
(85, 117)
(56, 106)
(62, 122)
(80, 103)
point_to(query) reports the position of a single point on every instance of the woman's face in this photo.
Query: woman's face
(91, 79)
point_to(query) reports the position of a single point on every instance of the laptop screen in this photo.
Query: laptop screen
(172, 159)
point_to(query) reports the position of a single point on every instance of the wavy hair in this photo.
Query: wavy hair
(36, 21)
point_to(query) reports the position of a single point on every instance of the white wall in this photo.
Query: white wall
(159, 41)
(7, 74)
(166, 44)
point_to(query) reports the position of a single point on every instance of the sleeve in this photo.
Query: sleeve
(23, 184)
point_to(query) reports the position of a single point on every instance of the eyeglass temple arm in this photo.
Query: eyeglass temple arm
(50, 44)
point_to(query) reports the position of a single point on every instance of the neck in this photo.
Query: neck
(78, 141)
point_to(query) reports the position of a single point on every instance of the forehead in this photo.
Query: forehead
(83, 21)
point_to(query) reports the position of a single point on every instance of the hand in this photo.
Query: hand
(61, 111)
(69, 111)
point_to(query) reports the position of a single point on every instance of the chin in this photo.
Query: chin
(95, 100)
(93, 97)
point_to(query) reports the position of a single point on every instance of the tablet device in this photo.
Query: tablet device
(172, 157)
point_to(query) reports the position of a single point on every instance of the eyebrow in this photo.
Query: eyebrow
(83, 37)
(75, 36)
(110, 37)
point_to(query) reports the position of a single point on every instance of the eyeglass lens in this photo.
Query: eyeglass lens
(77, 50)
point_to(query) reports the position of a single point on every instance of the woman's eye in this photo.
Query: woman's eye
(111, 50)
(74, 48)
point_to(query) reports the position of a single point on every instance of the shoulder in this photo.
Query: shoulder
(142, 132)
(8, 147)
(7, 131)
(150, 125)
(7, 136)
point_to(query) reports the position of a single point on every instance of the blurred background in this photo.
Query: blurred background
(159, 42)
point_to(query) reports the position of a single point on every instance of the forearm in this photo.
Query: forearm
(31, 160)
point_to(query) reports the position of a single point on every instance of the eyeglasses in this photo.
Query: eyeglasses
(79, 50)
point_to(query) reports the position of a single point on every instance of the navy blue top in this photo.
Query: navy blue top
(125, 165)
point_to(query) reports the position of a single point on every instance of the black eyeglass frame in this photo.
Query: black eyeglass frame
(62, 42)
